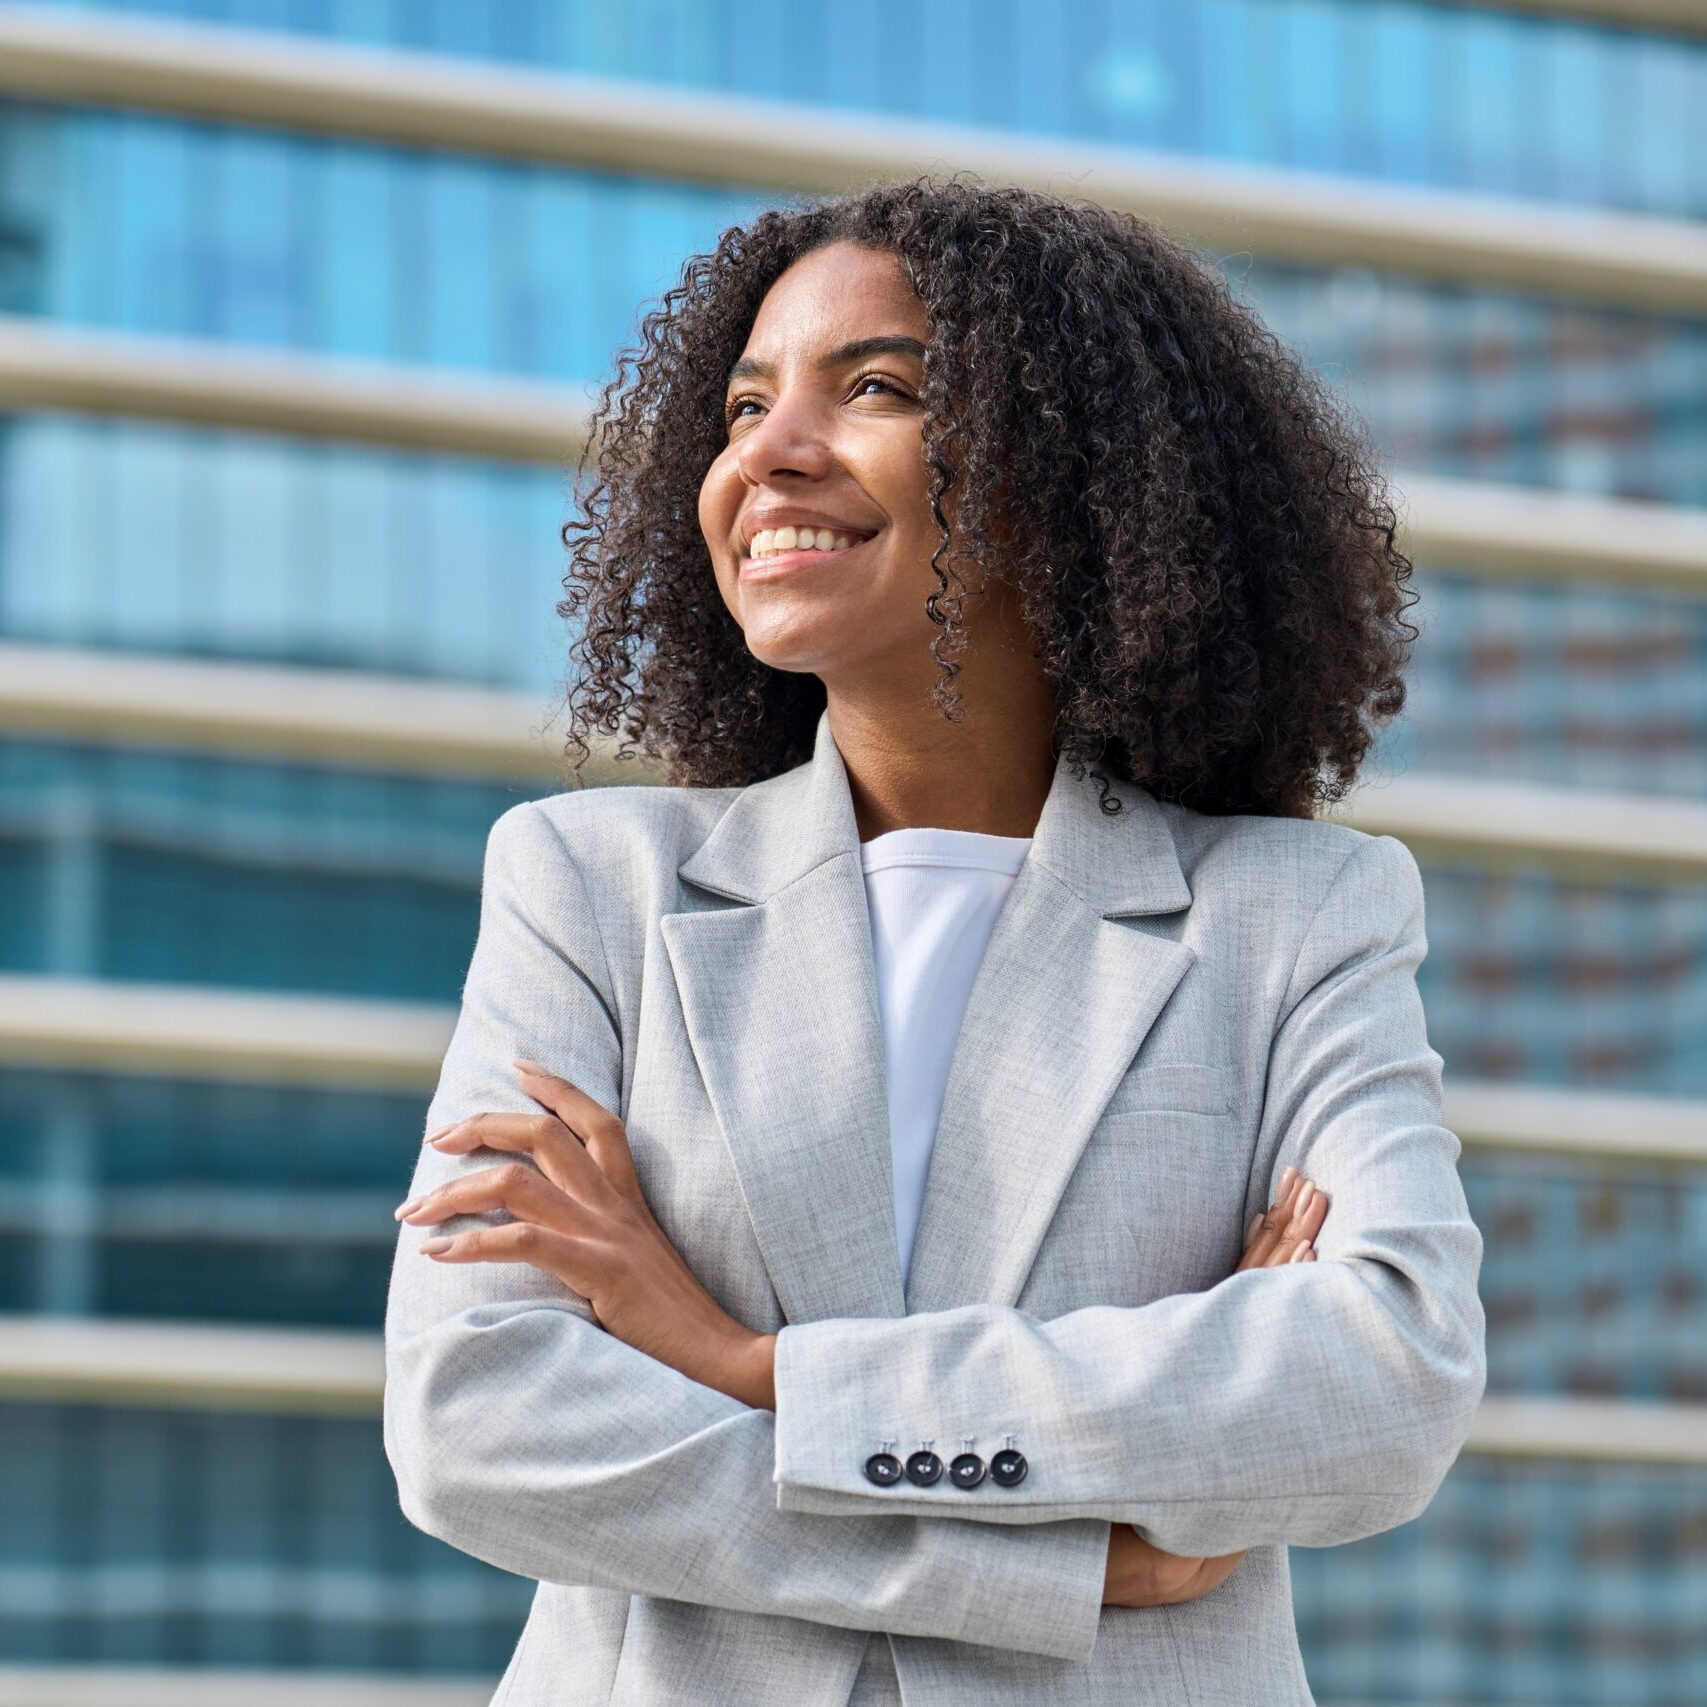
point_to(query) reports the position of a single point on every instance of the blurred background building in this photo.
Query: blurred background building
(302, 303)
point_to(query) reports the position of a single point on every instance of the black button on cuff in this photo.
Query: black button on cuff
(924, 1468)
(966, 1471)
(1007, 1468)
(883, 1468)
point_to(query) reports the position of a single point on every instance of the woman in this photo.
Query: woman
(915, 1073)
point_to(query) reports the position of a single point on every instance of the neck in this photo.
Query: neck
(991, 772)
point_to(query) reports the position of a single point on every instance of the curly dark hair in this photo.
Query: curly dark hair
(1197, 533)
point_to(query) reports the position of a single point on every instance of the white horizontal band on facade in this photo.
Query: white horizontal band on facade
(204, 382)
(255, 1037)
(1623, 1431)
(264, 711)
(1678, 17)
(1499, 531)
(220, 1686)
(1613, 1129)
(245, 76)
(320, 1371)
(1508, 824)
(343, 718)
(250, 1036)
(1527, 533)
(327, 1372)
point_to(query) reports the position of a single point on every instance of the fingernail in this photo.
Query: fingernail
(434, 1137)
(407, 1207)
(432, 1247)
(531, 1067)
(1287, 1176)
(1251, 1231)
(1305, 1198)
(1302, 1254)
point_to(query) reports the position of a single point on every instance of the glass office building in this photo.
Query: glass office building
(142, 1528)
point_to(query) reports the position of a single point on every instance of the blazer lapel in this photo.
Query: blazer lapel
(780, 1002)
(1063, 998)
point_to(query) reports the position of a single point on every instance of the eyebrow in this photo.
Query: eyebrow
(886, 344)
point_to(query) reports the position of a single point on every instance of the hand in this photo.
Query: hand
(1286, 1233)
(580, 1216)
(1139, 1573)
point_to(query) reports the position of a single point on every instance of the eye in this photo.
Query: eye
(732, 409)
(878, 379)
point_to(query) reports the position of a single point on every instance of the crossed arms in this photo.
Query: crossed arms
(1313, 1404)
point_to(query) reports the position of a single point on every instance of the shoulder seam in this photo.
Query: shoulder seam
(1357, 850)
(609, 990)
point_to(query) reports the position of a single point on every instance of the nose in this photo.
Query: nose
(790, 437)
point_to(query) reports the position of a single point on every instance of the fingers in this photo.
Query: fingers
(556, 1149)
(1210, 1574)
(516, 1187)
(1286, 1232)
(599, 1129)
(555, 1254)
(1308, 1214)
(1264, 1232)
(1140, 1573)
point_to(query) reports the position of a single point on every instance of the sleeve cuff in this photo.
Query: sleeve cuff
(843, 1387)
(1029, 1584)
(823, 1373)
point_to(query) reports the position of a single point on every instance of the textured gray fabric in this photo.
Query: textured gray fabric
(1172, 1008)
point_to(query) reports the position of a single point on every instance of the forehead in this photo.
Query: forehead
(829, 298)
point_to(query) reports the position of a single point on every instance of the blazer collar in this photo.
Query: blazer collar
(779, 829)
(779, 1000)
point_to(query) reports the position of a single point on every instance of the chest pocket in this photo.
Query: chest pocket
(1181, 1087)
(1171, 1148)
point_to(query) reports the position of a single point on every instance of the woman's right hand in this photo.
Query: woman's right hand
(1138, 1573)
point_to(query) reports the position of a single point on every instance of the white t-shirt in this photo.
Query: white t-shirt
(933, 896)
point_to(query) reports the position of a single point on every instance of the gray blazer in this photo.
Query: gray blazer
(1172, 1008)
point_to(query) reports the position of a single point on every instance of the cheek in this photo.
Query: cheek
(719, 497)
(719, 502)
(896, 475)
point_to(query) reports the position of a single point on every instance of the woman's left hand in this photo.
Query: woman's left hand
(580, 1216)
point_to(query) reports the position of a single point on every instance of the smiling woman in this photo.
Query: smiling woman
(1058, 426)
(889, 1082)
(825, 431)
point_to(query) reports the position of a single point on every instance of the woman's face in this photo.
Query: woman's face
(825, 432)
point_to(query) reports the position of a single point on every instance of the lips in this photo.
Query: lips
(781, 563)
(858, 535)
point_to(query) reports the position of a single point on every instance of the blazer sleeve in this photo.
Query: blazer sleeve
(523, 1433)
(1312, 1404)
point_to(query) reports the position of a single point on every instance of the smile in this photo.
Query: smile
(780, 563)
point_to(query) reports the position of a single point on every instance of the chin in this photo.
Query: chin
(795, 660)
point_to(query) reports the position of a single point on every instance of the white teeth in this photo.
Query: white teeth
(768, 541)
